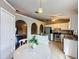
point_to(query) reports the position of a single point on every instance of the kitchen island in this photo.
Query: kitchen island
(71, 45)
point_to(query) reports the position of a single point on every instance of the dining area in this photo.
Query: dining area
(28, 51)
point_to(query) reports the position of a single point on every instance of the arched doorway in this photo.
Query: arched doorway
(41, 28)
(34, 28)
(21, 31)
(21, 27)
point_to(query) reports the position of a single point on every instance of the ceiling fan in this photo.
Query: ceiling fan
(40, 9)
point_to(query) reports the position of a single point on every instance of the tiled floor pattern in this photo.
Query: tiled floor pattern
(56, 49)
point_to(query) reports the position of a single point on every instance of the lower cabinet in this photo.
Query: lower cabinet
(70, 47)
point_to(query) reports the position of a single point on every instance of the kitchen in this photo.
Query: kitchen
(67, 34)
(62, 28)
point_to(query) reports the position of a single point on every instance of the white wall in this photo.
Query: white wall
(5, 50)
(73, 23)
(60, 25)
(7, 6)
(29, 22)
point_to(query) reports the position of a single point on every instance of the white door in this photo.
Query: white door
(7, 34)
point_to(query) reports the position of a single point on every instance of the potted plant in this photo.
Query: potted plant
(33, 42)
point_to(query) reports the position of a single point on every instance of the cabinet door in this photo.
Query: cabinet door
(7, 34)
(70, 48)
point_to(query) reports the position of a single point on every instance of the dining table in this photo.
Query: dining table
(41, 51)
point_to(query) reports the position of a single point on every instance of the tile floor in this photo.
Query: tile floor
(57, 52)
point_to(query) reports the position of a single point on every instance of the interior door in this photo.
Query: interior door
(7, 34)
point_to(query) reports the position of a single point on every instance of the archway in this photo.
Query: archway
(41, 28)
(21, 27)
(21, 31)
(34, 28)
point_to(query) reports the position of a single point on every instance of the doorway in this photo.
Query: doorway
(41, 29)
(21, 30)
(34, 28)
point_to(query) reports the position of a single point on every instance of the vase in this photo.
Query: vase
(30, 45)
(34, 45)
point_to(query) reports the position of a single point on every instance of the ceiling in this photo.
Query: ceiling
(50, 7)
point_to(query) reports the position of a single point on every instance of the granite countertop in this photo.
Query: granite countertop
(71, 37)
(63, 31)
